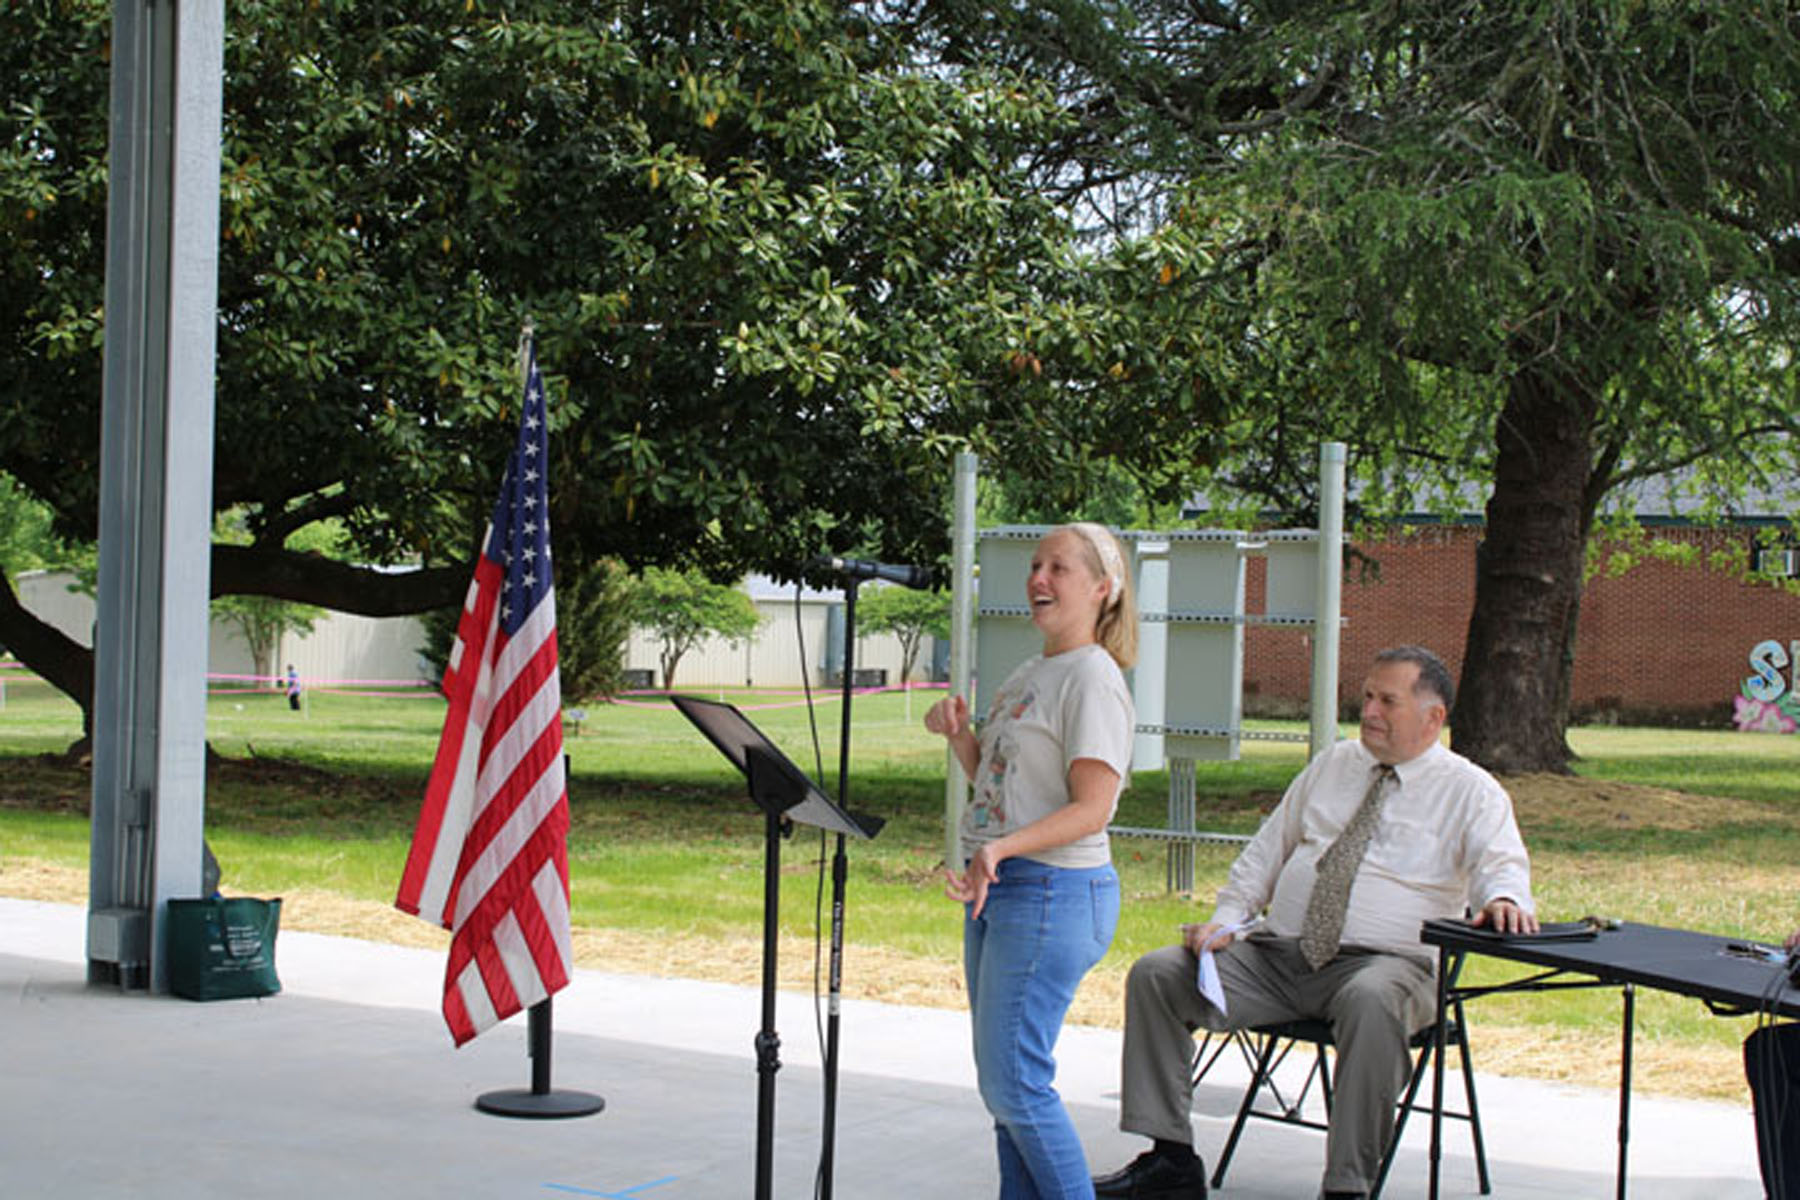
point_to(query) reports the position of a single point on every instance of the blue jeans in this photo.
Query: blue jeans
(1041, 930)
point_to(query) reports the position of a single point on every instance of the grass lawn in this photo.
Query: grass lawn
(1691, 829)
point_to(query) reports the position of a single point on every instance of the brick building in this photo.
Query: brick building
(1660, 644)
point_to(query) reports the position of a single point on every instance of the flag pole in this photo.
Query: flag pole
(506, 904)
(527, 334)
(540, 1100)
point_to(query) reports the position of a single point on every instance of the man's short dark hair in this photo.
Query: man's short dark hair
(1434, 676)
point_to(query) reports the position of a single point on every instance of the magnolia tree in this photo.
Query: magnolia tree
(1533, 252)
(773, 258)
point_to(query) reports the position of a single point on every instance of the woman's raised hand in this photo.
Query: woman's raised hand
(949, 716)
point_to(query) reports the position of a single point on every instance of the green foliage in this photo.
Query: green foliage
(53, 138)
(1583, 195)
(1532, 251)
(906, 613)
(439, 626)
(682, 607)
(1107, 494)
(774, 259)
(786, 257)
(1362, 223)
(593, 620)
(28, 541)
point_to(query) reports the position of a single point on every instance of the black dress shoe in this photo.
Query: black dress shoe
(1346, 1196)
(1150, 1176)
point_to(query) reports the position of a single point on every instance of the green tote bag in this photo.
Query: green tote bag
(224, 948)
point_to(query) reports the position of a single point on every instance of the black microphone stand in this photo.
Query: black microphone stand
(839, 875)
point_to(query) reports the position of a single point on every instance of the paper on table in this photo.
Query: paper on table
(1206, 977)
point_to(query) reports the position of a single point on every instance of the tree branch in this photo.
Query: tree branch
(1300, 101)
(279, 527)
(314, 579)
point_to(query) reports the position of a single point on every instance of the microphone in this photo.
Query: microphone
(923, 578)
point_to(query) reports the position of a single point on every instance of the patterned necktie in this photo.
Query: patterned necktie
(1324, 922)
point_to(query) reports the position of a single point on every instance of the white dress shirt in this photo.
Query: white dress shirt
(1446, 839)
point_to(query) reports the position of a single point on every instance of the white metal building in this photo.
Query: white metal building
(344, 648)
(774, 657)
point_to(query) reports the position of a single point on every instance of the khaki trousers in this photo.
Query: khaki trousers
(1373, 1001)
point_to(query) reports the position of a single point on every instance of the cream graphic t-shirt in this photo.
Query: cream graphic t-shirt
(1048, 713)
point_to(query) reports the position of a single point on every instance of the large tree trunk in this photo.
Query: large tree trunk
(49, 652)
(1513, 704)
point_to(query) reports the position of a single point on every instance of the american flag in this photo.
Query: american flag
(489, 856)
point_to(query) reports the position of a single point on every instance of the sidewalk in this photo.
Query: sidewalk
(345, 1086)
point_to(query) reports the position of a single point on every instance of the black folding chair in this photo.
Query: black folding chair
(1273, 1044)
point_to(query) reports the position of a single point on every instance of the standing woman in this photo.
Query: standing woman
(1040, 894)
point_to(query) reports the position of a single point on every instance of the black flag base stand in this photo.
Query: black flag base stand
(539, 1100)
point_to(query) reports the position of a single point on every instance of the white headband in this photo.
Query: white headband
(1111, 563)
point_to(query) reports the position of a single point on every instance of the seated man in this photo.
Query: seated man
(1395, 829)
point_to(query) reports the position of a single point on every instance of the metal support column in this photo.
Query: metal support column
(1329, 597)
(962, 631)
(152, 627)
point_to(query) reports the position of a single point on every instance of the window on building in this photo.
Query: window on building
(1780, 561)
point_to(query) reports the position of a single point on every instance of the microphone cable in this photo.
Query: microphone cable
(812, 721)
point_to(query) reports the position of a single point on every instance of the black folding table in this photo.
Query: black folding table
(1730, 976)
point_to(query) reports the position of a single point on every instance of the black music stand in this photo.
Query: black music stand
(785, 794)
